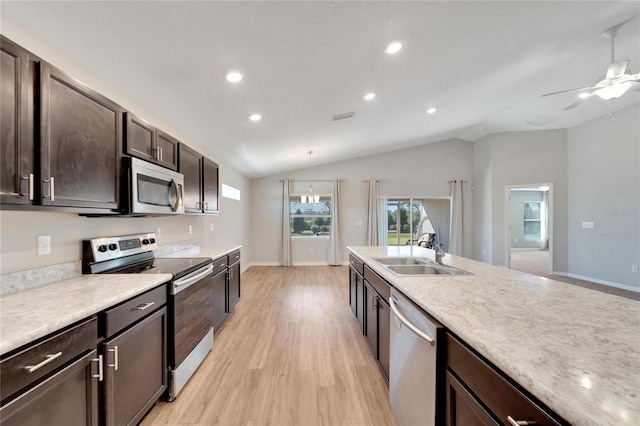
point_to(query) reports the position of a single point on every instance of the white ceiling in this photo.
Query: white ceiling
(483, 64)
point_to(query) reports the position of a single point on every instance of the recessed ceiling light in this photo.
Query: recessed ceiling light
(584, 95)
(234, 76)
(255, 117)
(431, 110)
(393, 47)
(369, 96)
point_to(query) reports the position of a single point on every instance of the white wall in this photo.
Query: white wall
(604, 188)
(518, 158)
(421, 171)
(19, 229)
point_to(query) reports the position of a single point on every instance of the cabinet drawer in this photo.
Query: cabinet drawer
(24, 368)
(356, 264)
(220, 264)
(234, 257)
(378, 283)
(502, 398)
(125, 314)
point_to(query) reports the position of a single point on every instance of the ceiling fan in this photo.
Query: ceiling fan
(614, 83)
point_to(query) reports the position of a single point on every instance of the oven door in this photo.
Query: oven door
(192, 312)
(155, 189)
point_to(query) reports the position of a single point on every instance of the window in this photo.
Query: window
(532, 221)
(401, 217)
(230, 192)
(310, 219)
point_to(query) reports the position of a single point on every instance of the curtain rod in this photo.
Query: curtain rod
(463, 181)
(367, 180)
(312, 180)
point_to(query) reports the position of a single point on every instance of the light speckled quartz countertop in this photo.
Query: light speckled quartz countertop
(31, 314)
(577, 350)
(204, 251)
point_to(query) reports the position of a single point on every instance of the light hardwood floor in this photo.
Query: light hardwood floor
(291, 354)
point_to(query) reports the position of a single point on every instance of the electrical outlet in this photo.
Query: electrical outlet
(190, 229)
(211, 227)
(158, 232)
(44, 245)
(634, 269)
(310, 249)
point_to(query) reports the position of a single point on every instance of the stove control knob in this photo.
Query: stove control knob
(102, 248)
(152, 240)
(145, 241)
(112, 246)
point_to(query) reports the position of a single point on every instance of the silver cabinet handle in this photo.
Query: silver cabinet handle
(99, 376)
(514, 422)
(52, 186)
(155, 153)
(115, 358)
(30, 179)
(230, 274)
(47, 360)
(406, 322)
(144, 306)
(374, 300)
(160, 150)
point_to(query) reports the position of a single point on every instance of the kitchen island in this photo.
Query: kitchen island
(576, 350)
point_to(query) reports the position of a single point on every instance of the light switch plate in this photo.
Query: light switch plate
(211, 227)
(158, 232)
(44, 245)
(587, 225)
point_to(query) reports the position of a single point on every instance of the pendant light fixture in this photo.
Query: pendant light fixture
(309, 198)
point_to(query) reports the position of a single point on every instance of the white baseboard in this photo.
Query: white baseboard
(345, 263)
(597, 281)
(265, 264)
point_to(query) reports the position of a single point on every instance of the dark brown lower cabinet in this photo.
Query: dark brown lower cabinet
(135, 370)
(234, 286)
(68, 397)
(219, 299)
(356, 296)
(377, 315)
(479, 394)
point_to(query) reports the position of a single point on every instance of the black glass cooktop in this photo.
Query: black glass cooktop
(178, 267)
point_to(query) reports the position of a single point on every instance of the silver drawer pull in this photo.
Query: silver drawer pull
(144, 306)
(99, 376)
(115, 358)
(48, 359)
(514, 422)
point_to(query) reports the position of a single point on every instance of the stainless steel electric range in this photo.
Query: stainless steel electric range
(190, 327)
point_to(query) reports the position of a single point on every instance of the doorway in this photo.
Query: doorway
(528, 228)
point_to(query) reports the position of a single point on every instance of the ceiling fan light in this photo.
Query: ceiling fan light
(614, 91)
(584, 95)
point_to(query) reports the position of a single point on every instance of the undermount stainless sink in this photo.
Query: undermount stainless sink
(418, 266)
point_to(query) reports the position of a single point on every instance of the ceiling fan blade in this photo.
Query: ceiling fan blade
(613, 31)
(617, 69)
(575, 104)
(570, 90)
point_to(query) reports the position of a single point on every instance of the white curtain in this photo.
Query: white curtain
(335, 250)
(544, 221)
(286, 223)
(372, 214)
(383, 222)
(457, 231)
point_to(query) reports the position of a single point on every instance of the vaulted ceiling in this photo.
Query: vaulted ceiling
(483, 65)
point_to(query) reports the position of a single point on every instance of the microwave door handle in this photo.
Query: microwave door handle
(174, 196)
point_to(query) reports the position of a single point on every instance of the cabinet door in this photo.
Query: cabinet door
(462, 408)
(81, 143)
(384, 337)
(166, 150)
(136, 370)
(360, 301)
(210, 185)
(69, 397)
(190, 165)
(16, 126)
(140, 138)
(352, 290)
(219, 299)
(371, 318)
(234, 286)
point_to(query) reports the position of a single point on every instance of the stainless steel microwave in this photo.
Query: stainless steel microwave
(149, 189)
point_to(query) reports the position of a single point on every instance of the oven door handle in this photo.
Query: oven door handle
(187, 281)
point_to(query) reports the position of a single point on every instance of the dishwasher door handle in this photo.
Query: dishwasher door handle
(406, 322)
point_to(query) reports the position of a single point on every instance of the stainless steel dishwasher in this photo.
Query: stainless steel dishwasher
(416, 373)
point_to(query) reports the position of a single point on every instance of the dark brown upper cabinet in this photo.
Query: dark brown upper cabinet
(17, 174)
(150, 143)
(81, 144)
(201, 179)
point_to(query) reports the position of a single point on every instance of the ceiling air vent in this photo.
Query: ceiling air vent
(540, 120)
(344, 115)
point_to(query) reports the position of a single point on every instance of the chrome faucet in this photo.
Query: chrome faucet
(436, 227)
